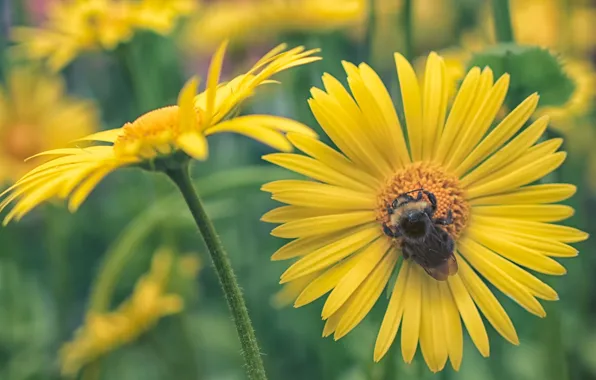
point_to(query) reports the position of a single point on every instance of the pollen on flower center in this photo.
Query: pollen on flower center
(445, 187)
(151, 134)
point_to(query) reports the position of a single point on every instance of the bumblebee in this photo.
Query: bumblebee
(422, 237)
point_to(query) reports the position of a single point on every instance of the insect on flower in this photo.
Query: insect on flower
(422, 238)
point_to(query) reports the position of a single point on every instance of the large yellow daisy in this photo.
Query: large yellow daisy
(483, 178)
(162, 137)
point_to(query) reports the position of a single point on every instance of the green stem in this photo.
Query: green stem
(408, 30)
(227, 278)
(502, 19)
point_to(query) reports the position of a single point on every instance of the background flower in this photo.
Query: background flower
(37, 114)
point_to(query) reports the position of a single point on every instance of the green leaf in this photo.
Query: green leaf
(532, 69)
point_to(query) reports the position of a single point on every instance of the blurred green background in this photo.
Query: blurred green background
(52, 262)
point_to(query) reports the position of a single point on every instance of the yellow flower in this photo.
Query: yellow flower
(105, 332)
(160, 16)
(250, 21)
(162, 136)
(77, 26)
(548, 23)
(481, 176)
(35, 115)
(565, 117)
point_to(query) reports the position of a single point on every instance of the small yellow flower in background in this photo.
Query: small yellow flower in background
(548, 23)
(570, 114)
(258, 21)
(36, 114)
(105, 332)
(160, 16)
(346, 222)
(77, 26)
(162, 135)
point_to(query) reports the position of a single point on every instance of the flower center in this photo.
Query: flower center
(21, 141)
(434, 179)
(151, 135)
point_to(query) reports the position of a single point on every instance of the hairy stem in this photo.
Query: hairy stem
(225, 273)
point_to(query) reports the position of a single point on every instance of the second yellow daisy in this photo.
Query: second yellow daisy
(385, 203)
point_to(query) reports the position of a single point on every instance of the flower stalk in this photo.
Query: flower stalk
(502, 20)
(250, 348)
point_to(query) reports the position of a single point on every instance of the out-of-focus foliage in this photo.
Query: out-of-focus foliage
(51, 263)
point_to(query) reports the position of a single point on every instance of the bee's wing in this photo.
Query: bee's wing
(445, 269)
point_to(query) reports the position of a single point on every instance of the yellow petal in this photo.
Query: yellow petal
(393, 126)
(369, 258)
(326, 281)
(542, 246)
(330, 254)
(291, 290)
(265, 135)
(187, 114)
(432, 335)
(480, 123)
(412, 103)
(333, 321)
(412, 304)
(315, 170)
(288, 213)
(469, 314)
(194, 144)
(475, 254)
(518, 177)
(333, 159)
(527, 257)
(501, 134)
(488, 303)
(563, 234)
(461, 106)
(312, 194)
(452, 323)
(366, 296)
(434, 105)
(543, 193)
(303, 246)
(105, 136)
(325, 224)
(351, 138)
(81, 193)
(212, 80)
(535, 212)
(393, 315)
(382, 135)
(509, 153)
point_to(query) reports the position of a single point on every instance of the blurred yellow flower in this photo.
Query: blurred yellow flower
(261, 20)
(36, 114)
(570, 114)
(448, 208)
(77, 26)
(105, 332)
(162, 136)
(548, 23)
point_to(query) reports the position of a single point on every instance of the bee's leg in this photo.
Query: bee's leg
(389, 232)
(390, 209)
(405, 252)
(432, 199)
(445, 221)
